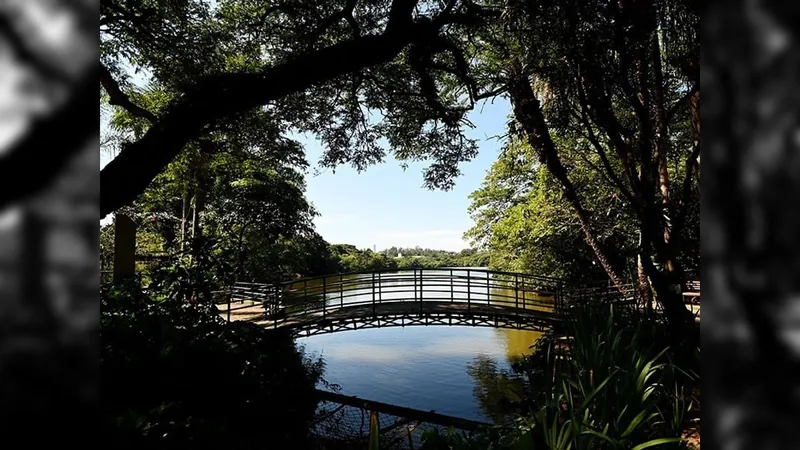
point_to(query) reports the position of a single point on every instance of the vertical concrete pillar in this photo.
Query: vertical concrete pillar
(124, 247)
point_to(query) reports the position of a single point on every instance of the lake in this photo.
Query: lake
(427, 368)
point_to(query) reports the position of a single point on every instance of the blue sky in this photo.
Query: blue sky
(386, 206)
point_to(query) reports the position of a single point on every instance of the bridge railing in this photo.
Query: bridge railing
(322, 295)
(326, 294)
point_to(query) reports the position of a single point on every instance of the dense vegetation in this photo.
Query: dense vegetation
(350, 259)
(614, 384)
(175, 374)
(598, 179)
(299, 256)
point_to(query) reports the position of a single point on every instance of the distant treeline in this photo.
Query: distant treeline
(348, 258)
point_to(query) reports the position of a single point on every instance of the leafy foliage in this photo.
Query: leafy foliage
(404, 86)
(526, 225)
(347, 258)
(613, 384)
(176, 374)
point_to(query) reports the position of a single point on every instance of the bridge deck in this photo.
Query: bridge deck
(255, 313)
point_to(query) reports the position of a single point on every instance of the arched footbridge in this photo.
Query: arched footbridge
(444, 296)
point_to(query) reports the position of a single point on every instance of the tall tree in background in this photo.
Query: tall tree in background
(526, 224)
(621, 77)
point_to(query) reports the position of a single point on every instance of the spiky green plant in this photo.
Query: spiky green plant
(615, 387)
(607, 379)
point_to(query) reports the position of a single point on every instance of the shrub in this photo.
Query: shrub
(174, 374)
(606, 379)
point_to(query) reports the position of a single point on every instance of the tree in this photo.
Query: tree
(242, 185)
(321, 67)
(524, 222)
(621, 78)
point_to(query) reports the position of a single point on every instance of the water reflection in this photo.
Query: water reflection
(461, 371)
(518, 342)
(451, 370)
(496, 389)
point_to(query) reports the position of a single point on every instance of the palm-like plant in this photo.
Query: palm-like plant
(605, 380)
(613, 386)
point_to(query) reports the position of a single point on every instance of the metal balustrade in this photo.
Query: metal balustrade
(421, 296)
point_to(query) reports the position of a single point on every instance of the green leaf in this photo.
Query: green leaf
(596, 391)
(634, 423)
(655, 442)
(601, 436)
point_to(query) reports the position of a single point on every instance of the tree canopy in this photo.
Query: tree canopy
(611, 87)
(353, 73)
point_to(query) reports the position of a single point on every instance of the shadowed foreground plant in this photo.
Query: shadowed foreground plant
(607, 380)
(175, 375)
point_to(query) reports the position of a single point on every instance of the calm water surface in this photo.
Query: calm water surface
(418, 367)
(422, 367)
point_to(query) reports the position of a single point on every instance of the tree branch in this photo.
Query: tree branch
(346, 14)
(683, 101)
(118, 98)
(691, 163)
(604, 118)
(611, 174)
(528, 113)
(129, 174)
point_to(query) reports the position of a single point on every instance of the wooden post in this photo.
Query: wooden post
(373, 293)
(324, 296)
(124, 247)
(341, 291)
(516, 294)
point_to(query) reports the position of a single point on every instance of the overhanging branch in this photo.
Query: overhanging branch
(129, 174)
(682, 102)
(119, 98)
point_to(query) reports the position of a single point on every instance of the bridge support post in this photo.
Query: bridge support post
(373, 293)
(420, 291)
(452, 298)
(228, 294)
(415, 285)
(516, 295)
(469, 293)
(324, 296)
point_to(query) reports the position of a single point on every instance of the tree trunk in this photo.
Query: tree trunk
(184, 217)
(644, 291)
(661, 147)
(199, 206)
(528, 113)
